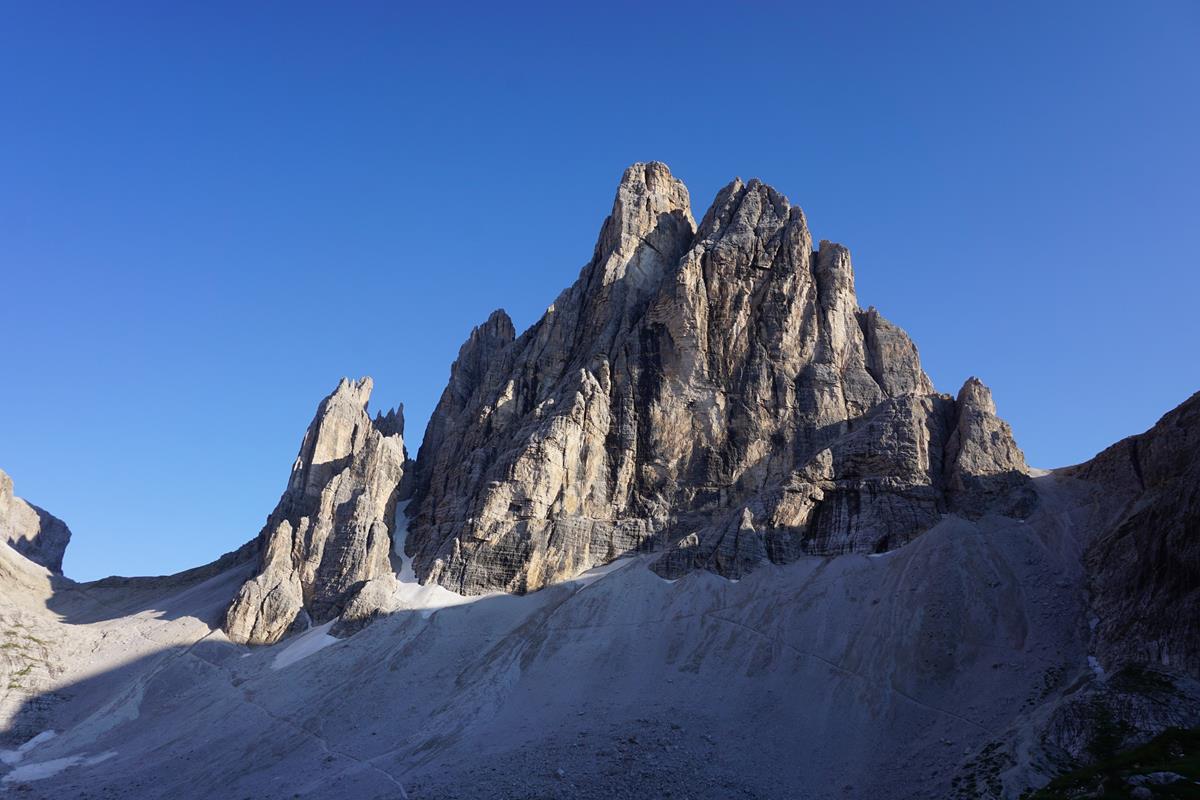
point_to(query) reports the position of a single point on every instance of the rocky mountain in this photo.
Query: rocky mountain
(331, 531)
(712, 391)
(987, 655)
(705, 529)
(34, 533)
(1144, 559)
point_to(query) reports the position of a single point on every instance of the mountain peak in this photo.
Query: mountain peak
(330, 533)
(715, 393)
(650, 223)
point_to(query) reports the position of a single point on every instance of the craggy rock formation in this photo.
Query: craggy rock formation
(36, 534)
(1144, 562)
(714, 390)
(1139, 529)
(331, 531)
(985, 469)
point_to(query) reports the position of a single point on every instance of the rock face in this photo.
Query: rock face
(986, 470)
(331, 531)
(1144, 562)
(36, 534)
(712, 390)
(1138, 526)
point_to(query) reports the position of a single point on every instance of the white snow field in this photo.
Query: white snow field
(840, 677)
(304, 645)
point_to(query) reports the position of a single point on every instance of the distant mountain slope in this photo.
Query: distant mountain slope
(34, 533)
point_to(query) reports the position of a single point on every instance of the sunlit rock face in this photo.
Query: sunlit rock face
(34, 533)
(713, 391)
(331, 531)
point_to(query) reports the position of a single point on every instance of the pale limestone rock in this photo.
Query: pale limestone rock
(892, 357)
(34, 533)
(985, 470)
(715, 391)
(331, 531)
(377, 597)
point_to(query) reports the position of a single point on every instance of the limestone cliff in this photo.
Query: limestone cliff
(36, 534)
(331, 531)
(711, 390)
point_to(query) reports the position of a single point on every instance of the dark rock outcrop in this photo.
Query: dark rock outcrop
(1144, 559)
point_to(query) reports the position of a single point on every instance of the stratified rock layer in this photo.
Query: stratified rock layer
(712, 390)
(331, 531)
(36, 534)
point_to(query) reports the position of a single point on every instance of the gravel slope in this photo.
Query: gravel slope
(892, 677)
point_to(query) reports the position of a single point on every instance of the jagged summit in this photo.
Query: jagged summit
(714, 398)
(714, 391)
(710, 392)
(331, 530)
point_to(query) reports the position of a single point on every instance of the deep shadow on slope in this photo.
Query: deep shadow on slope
(226, 740)
(954, 666)
(828, 677)
(1155, 765)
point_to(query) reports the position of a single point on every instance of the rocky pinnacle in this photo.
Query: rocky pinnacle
(711, 391)
(331, 531)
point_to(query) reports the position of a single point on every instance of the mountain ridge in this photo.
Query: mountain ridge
(705, 527)
(686, 363)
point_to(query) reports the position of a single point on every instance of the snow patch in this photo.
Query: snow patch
(305, 645)
(884, 554)
(11, 757)
(1094, 663)
(410, 594)
(47, 769)
(595, 573)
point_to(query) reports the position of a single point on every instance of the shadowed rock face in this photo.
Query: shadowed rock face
(1144, 559)
(714, 391)
(36, 534)
(1138, 525)
(331, 531)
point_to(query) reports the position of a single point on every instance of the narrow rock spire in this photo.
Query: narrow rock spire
(331, 530)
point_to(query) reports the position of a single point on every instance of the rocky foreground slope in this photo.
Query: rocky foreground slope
(705, 530)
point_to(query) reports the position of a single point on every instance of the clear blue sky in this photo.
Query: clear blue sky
(210, 212)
